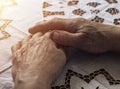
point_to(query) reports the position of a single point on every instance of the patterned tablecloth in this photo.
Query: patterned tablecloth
(83, 71)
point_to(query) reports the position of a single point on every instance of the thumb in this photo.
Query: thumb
(66, 38)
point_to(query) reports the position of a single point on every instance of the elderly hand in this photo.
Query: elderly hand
(80, 33)
(36, 62)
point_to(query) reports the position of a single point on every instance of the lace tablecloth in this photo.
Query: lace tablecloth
(82, 72)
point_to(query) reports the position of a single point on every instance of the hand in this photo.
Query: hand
(36, 62)
(80, 33)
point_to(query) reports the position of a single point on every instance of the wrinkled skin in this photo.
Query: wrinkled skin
(36, 59)
(81, 33)
(36, 62)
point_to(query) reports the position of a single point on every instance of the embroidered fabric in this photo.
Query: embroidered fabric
(26, 15)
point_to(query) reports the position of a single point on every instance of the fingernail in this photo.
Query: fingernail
(55, 35)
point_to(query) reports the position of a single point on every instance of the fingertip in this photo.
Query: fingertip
(60, 37)
(65, 38)
(34, 29)
(31, 30)
(55, 35)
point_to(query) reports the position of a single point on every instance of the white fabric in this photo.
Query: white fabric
(28, 12)
(23, 15)
(109, 10)
(90, 13)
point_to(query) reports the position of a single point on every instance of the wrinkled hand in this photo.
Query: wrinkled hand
(36, 62)
(79, 33)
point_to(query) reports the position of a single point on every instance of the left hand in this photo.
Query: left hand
(37, 62)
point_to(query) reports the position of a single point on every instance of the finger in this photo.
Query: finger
(38, 34)
(57, 23)
(66, 39)
(36, 37)
(14, 71)
(16, 47)
(14, 61)
(41, 27)
(26, 39)
(14, 67)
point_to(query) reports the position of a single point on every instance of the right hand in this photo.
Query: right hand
(79, 33)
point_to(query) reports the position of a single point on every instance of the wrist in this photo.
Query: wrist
(32, 83)
(112, 34)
